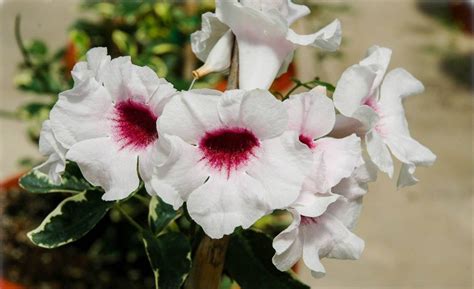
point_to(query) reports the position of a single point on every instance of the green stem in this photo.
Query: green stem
(19, 42)
(130, 220)
(142, 199)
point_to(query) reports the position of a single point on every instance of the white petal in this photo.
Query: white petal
(356, 185)
(104, 164)
(296, 11)
(190, 114)
(50, 147)
(177, 168)
(286, 237)
(285, 260)
(310, 113)
(367, 116)
(379, 153)
(222, 204)
(229, 107)
(411, 153)
(316, 239)
(281, 167)
(333, 160)
(346, 211)
(263, 114)
(115, 74)
(81, 113)
(146, 160)
(261, 40)
(328, 38)
(397, 85)
(345, 244)
(353, 88)
(378, 59)
(204, 40)
(313, 205)
(346, 126)
(219, 57)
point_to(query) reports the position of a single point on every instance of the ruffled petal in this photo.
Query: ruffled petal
(328, 38)
(333, 160)
(203, 41)
(379, 153)
(222, 204)
(82, 113)
(353, 88)
(190, 114)
(219, 57)
(285, 260)
(311, 113)
(346, 211)
(263, 114)
(50, 147)
(315, 242)
(281, 167)
(104, 164)
(397, 85)
(115, 75)
(296, 11)
(286, 237)
(312, 205)
(177, 170)
(378, 59)
(345, 244)
(261, 37)
(97, 59)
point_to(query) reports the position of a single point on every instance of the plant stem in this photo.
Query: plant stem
(142, 199)
(130, 220)
(208, 261)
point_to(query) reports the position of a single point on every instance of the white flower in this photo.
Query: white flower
(363, 93)
(266, 41)
(107, 121)
(321, 228)
(312, 116)
(50, 147)
(230, 157)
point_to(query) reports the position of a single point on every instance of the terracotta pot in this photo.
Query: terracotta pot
(4, 284)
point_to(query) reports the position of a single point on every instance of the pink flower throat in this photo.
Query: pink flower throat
(228, 148)
(307, 141)
(134, 124)
(309, 220)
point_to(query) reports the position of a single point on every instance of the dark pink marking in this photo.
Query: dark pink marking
(372, 103)
(135, 124)
(309, 220)
(307, 141)
(228, 148)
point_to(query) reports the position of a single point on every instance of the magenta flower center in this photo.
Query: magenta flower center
(134, 124)
(307, 141)
(228, 148)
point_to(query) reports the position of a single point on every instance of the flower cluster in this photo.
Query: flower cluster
(236, 156)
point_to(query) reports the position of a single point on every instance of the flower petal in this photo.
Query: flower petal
(115, 75)
(312, 205)
(397, 85)
(177, 170)
(379, 153)
(333, 160)
(281, 168)
(104, 164)
(222, 204)
(346, 211)
(81, 113)
(328, 38)
(345, 244)
(263, 114)
(286, 237)
(315, 240)
(296, 11)
(353, 88)
(190, 114)
(285, 260)
(261, 37)
(310, 113)
(204, 40)
(49, 146)
(378, 59)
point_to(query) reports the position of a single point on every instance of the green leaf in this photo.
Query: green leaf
(249, 262)
(169, 258)
(160, 214)
(72, 219)
(72, 182)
